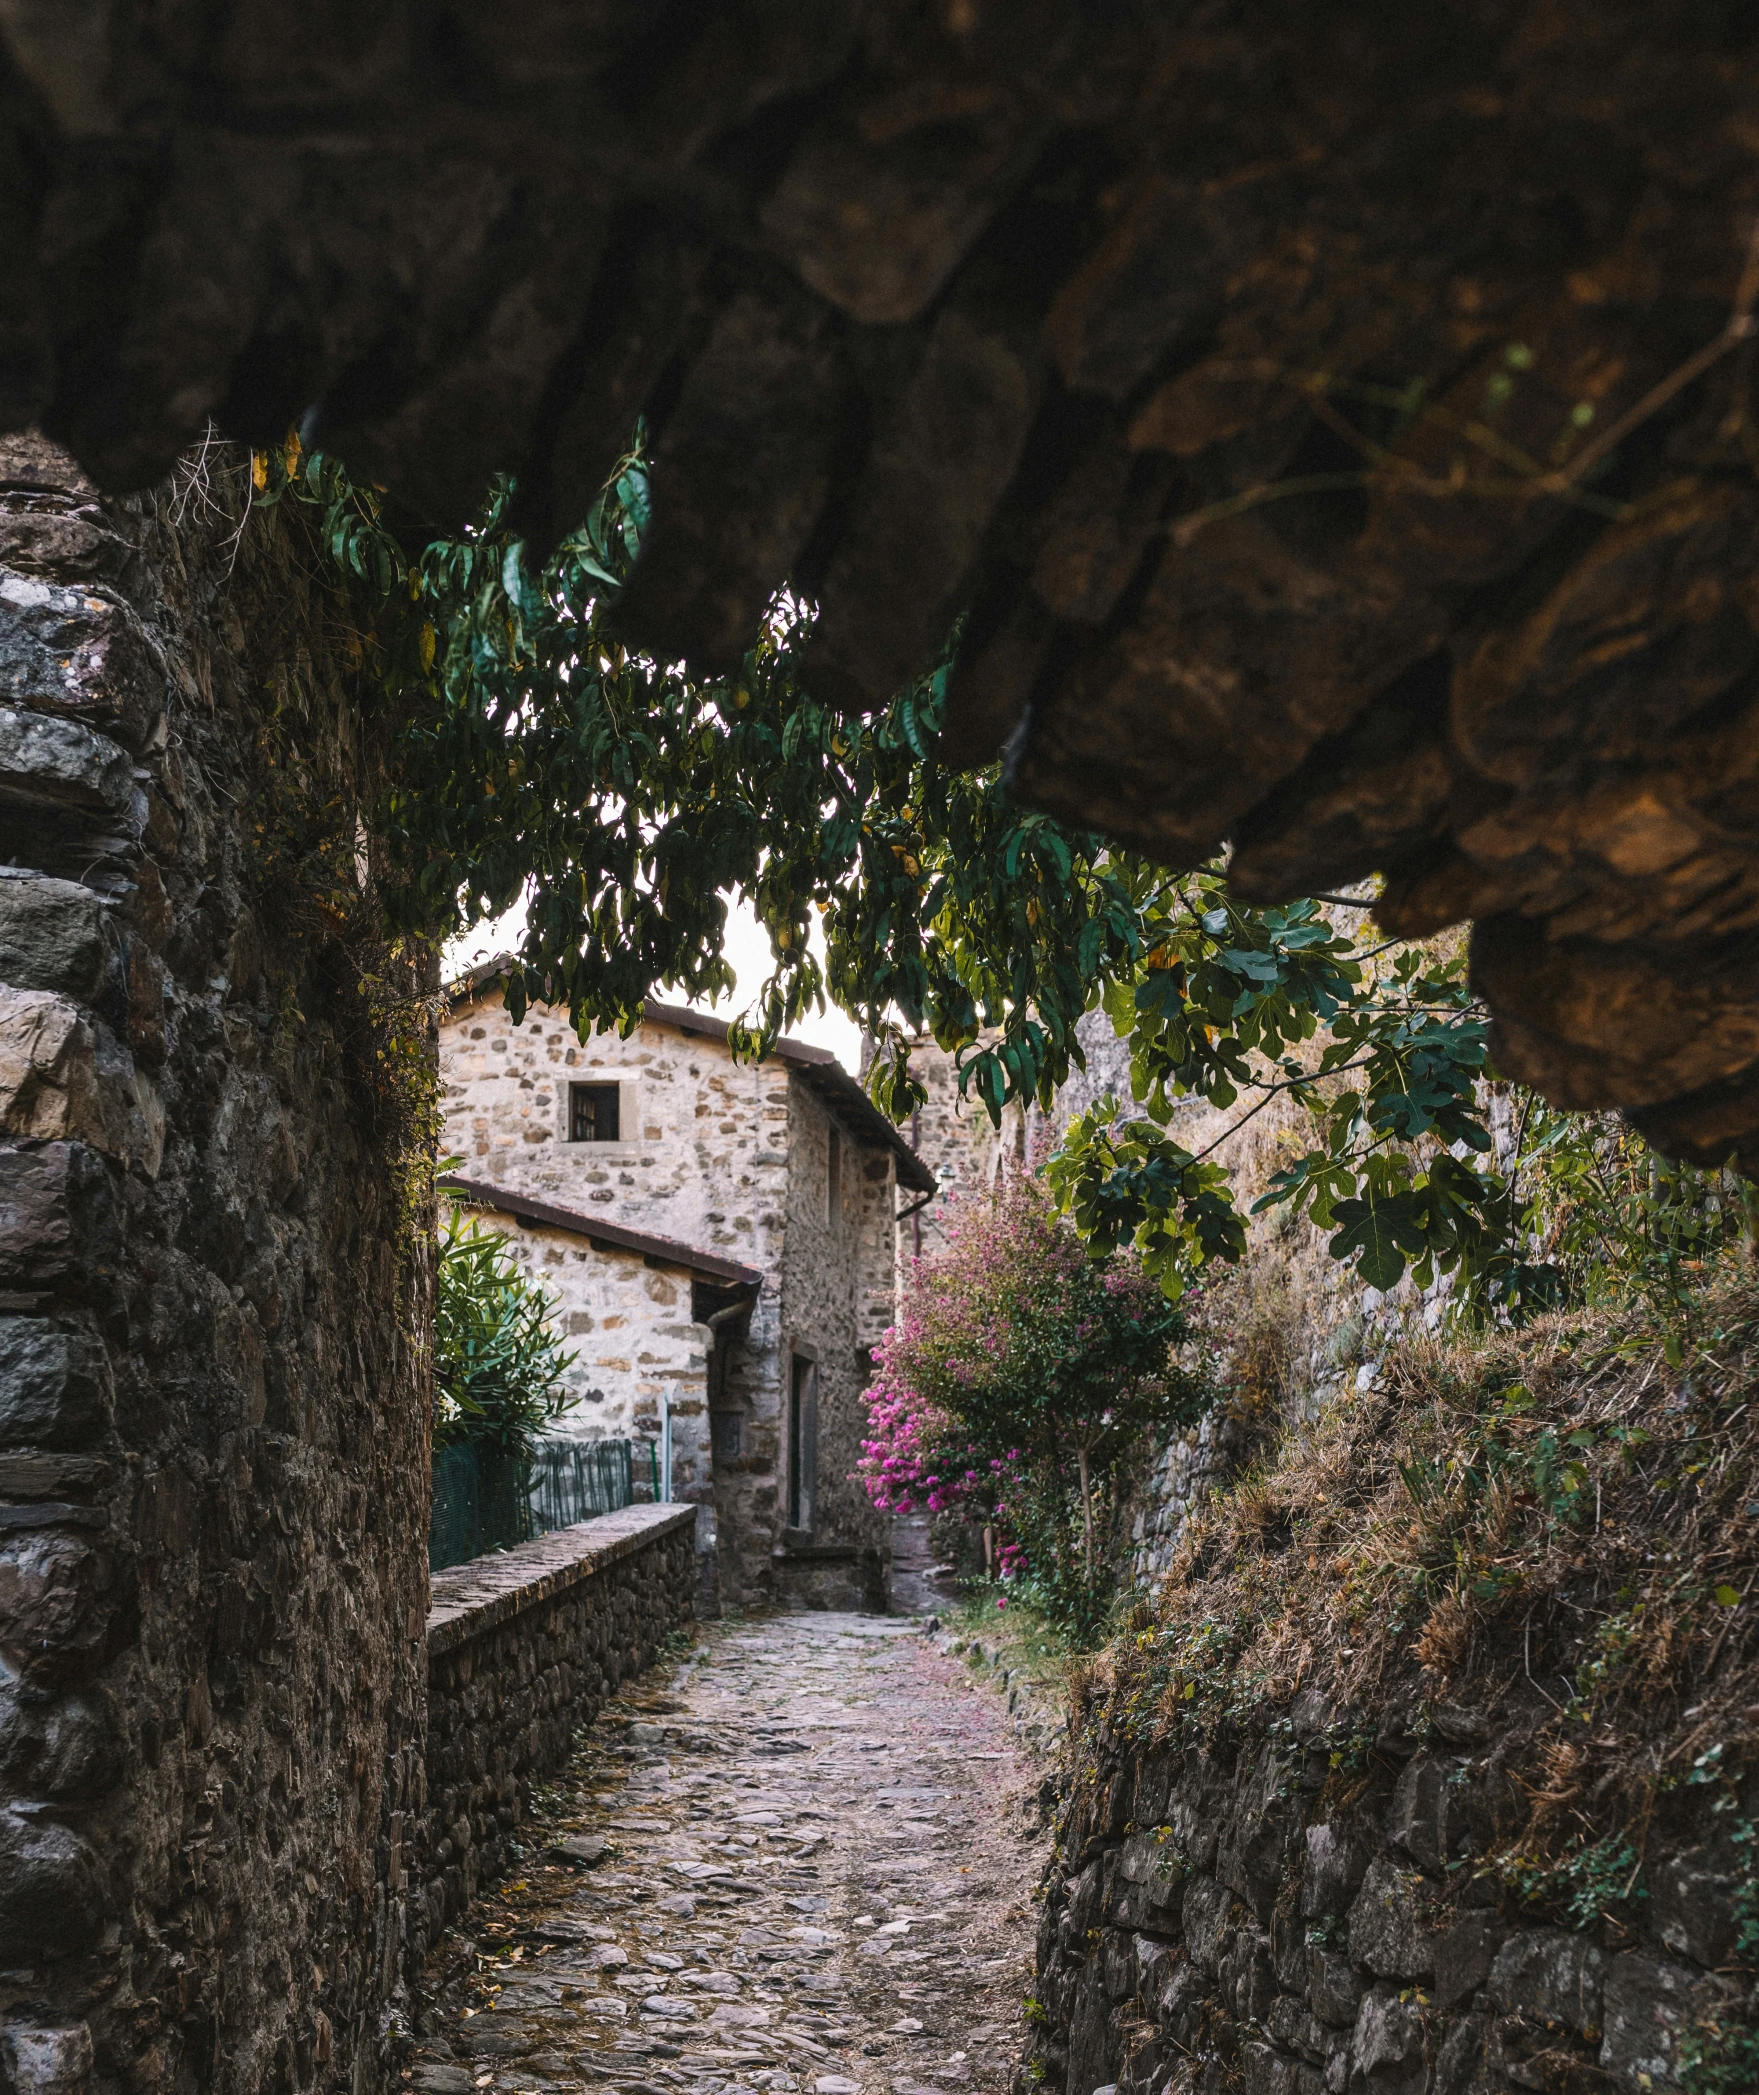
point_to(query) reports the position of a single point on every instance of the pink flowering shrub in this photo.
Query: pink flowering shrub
(1021, 1378)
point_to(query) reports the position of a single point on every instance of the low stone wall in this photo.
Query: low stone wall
(523, 1649)
(1303, 1919)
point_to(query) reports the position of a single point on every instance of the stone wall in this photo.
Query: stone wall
(523, 1649)
(213, 1399)
(836, 1260)
(703, 1153)
(954, 1138)
(1300, 1918)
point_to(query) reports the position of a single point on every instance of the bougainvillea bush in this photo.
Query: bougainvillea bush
(1021, 1381)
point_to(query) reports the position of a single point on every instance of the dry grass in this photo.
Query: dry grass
(1553, 1528)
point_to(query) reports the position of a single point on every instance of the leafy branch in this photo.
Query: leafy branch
(1393, 1176)
(535, 759)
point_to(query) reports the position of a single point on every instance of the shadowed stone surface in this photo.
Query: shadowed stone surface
(1218, 1916)
(816, 1877)
(213, 1416)
(1104, 323)
(523, 1649)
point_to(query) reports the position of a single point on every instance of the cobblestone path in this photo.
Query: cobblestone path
(801, 1860)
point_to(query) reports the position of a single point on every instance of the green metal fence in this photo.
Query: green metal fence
(580, 1479)
(486, 1500)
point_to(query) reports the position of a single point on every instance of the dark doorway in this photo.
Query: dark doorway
(802, 1443)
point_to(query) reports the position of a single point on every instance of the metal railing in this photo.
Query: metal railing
(486, 1499)
(579, 1479)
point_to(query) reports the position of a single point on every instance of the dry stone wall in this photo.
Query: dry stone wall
(1299, 1917)
(523, 1649)
(213, 1406)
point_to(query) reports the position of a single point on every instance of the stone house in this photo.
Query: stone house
(720, 1238)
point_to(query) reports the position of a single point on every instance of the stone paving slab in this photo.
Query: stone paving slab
(819, 1842)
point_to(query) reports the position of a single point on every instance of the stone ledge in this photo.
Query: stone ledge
(466, 1600)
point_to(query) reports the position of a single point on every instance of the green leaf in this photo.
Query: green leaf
(1375, 1233)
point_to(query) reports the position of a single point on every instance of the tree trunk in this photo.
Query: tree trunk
(1086, 1517)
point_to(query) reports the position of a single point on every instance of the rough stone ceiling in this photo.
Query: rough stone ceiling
(1247, 369)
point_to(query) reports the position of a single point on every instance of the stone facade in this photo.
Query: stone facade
(523, 1649)
(717, 1200)
(635, 1309)
(213, 1402)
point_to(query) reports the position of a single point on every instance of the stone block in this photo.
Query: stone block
(1551, 1973)
(1387, 1936)
(1208, 1914)
(54, 934)
(60, 767)
(1417, 1818)
(1464, 1956)
(1084, 1896)
(443, 2080)
(1334, 1986)
(1150, 1878)
(1338, 1855)
(78, 653)
(39, 2061)
(1648, 2004)
(1253, 1863)
(1291, 2024)
(1153, 1960)
(1459, 2061)
(51, 1890)
(1691, 1901)
(61, 1079)
(55, 1384)
(1153, 1784)
(1117, 1963)
(1247, 1976)
(58, 1593)
(47, 1071)
(1387, 2044)
(1180, 2004)
(58, 1219)
(65, 1749)
(1267, 2071)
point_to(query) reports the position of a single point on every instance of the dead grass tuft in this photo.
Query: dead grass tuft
(1554, 1529)
(1444, 1645)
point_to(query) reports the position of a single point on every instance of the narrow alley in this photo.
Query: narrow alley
(802, 1858)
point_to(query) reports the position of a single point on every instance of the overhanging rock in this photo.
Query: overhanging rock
(1335, 421)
